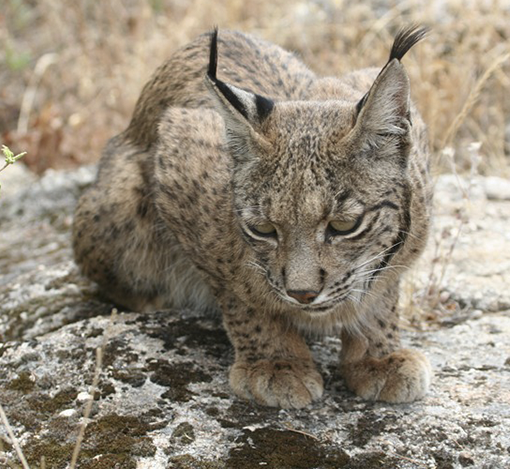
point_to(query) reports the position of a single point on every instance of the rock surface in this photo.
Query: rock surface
(163, 399)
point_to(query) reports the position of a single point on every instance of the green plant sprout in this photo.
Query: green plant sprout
(10, 157)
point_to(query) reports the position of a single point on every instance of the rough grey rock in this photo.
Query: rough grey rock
(469, 251)
(163, 399)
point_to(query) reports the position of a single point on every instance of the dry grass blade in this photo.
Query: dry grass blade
(13, 438)
(473, 97)
(292, 429)
(29, 96)
(88, 408)
(90, 402)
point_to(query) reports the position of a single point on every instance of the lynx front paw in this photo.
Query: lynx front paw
(277, 383)
(402, 376)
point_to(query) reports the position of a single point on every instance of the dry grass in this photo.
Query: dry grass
(75, 69)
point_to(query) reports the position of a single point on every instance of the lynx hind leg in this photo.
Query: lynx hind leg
(113, 237)
(137, 263)
(96, 243)
(375, 366)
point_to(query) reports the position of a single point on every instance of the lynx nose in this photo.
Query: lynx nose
(304, 297)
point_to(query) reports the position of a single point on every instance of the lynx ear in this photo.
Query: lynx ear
(385, 110)
(242, 111)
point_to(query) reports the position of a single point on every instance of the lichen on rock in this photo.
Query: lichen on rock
(163, 398)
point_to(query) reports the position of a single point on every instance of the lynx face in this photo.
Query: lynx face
(320, 188)
(317, 234)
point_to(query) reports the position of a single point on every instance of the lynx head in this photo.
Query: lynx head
(320, 188)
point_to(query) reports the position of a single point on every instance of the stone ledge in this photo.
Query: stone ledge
(164, 400)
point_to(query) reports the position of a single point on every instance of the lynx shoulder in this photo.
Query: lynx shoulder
(291, 203)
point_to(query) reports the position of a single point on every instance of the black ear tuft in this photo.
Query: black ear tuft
(251, 106)
(213, 55)
(223, 87)
(407, 38)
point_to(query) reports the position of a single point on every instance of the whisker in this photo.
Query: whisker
(354, 300)
(380, 269)
(379, 255)
(365, 293)
(412, 235)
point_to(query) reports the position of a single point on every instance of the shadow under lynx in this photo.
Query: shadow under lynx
(290, 202)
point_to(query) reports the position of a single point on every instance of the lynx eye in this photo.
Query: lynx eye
(264, 229)
(343, 227)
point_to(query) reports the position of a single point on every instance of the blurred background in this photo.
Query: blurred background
(70, 72)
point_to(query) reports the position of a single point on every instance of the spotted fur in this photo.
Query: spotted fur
(292, 203)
